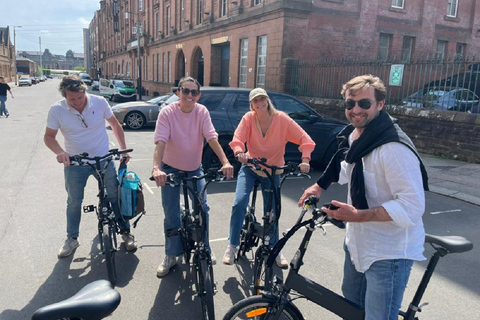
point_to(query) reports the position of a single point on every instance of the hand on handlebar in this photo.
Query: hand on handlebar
(160, 177)
(314, 190)
(227, 170)
(242, 157)
(64, 158)
(304, 167)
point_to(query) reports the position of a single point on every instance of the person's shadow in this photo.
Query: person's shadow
(66, 278)
(176, 297)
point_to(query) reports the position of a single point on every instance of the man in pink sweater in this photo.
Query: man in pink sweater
(179, 133)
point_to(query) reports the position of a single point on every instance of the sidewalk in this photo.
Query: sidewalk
(456, 179)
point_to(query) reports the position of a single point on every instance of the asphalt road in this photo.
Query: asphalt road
(32, 228)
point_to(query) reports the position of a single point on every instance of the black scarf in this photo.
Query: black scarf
(380, 131)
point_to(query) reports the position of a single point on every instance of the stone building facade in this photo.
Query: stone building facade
(7, 58)
(245, 43)
(54, 61)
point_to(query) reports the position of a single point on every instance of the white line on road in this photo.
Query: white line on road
(148, 188)
(446, 211)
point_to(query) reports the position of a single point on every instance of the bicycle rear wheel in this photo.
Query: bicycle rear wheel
(205, 289)
(256, 307)
(109, 251)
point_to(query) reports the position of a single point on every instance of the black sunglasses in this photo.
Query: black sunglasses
(364, 104)
(194, 92)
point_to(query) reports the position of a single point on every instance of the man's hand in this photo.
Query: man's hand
(125, 157)
(348, 213)
(227, 170)
(313, 190)
(159, 176)
(63, 158)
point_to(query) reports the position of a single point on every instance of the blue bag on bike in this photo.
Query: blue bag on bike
(131, 201)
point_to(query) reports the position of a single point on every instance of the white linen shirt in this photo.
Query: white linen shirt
(393, 180)
(78, 139)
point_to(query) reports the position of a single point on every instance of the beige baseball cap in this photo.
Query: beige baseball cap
(257, 92)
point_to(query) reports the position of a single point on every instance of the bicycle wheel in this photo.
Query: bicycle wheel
(256, 307)
(259, 272)
(187, 242)
(244, 236)
(109, 251)
(205, 288)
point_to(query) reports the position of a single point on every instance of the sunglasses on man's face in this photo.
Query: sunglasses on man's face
(194, 92)
(364, 104)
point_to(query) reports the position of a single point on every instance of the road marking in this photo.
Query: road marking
(446, 211)
(148, 188)
(218, 240)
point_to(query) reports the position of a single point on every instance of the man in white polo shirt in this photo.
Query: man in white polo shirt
(81, 119)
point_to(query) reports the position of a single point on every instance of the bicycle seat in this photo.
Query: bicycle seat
(450, 243)
(94, 301)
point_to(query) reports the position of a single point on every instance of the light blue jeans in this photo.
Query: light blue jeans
(75, 180)
(380, 289)
(3, 106)
(171, 209)
(245, 181)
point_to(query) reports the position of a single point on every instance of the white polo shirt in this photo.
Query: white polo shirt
(91, 136)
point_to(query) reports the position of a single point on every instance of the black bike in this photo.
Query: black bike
(277, 303)
(253, 232)
(193, 231)
(107, 223)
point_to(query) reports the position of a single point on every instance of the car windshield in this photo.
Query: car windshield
(124, 84)
(159, 99)
(172, 99)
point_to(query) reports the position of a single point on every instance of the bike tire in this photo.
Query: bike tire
(205, 289)
(109, 252)
(259, 272)
(260, 305)
(185, 236)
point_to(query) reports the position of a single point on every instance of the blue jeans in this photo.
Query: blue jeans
(245, 181)
(171, 209)
(380, 289)
(3, 106)
(75, 180)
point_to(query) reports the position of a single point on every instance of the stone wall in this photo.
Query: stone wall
(454, 135)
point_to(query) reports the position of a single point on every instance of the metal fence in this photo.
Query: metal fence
(430, 82)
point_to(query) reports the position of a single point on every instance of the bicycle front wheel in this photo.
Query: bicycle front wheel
(257, 307)
(205, 289)
(109, 251)
(262, 276)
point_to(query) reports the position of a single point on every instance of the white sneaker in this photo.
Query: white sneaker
(129, 241)
(164, 267)
(229, 255)
(281, 261)
(68, 247)
(213, 258)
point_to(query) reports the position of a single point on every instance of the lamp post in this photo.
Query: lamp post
(15, 53)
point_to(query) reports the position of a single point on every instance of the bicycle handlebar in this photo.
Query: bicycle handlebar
(291, 168)
(212, 174)
(112, 152)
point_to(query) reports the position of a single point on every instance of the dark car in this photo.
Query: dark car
(228, 105)
(95, 86)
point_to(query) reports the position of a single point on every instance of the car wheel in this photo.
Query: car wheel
(111, 97)
(135, 120)
(210, 159)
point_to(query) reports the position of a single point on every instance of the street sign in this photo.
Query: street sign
(396, 75)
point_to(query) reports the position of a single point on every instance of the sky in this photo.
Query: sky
(56, 25)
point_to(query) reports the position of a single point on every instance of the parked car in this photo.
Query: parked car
(25, 81)
(86, 78)
(455, 99)
(95, 86)
(135, 115)
(34, 80)
(228, 105)
(117, 89)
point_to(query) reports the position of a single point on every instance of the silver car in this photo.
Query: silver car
(137, 114)
(454, 99)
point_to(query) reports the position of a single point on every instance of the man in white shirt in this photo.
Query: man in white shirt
(81, 119)
(385, 202)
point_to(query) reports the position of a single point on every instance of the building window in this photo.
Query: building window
(145, 68)
(460, 51)
(223, 8)
(169, 67)
(257, 2)
(261, 61)
(164, 64)
(157, 24)
(167, 29)
(398, 3)
(242, 77)
(407, 48)
(441, 49)
(182, 14)
(384, 46)
(158, 67)
(199, 11)
(140, 5)
(452, 8)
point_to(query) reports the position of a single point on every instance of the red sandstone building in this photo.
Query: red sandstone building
(245, 43)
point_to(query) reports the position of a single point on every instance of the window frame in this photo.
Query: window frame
(452, 8)
(395, 4)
